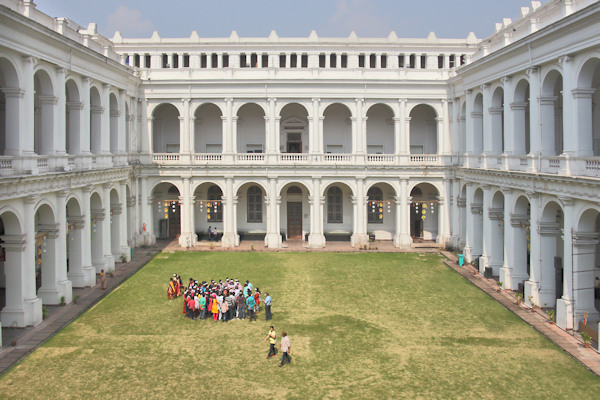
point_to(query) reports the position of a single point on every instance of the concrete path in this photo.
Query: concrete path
(569, 342)
(18, 343)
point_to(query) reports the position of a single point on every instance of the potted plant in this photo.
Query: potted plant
(123, 258)
(530, 299)
(519, 297)
(75, 298)
(499, 287)
(551, 316)
(586, 339)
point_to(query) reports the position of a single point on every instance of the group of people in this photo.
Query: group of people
(213, 234)
(222, 300)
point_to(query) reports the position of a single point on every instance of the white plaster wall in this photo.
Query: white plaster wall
(251, 127)
(337, 128)
(208, 128)
(380, 128)
(165, 130)
(423, 129)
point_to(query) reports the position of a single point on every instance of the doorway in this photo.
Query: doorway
(294, 142)
(294, 220)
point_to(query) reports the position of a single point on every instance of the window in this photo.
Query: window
(384, 61)
(225, 60)
(254, 148)
(265, 60)
(148, 61)
(255, 204)
(375, 206)
(335, 209)
(282, 61)
(441, 61)
(304, 61)
(321, 60)
(344, 60)
(136, 60)
(334, 149)
(452, 62)
(372, 60)
(401, 61)
(243, 61)
(423, 61)
(214, 60)
(293, 60)
(463, 59)
(165, 60)
(412, 61)
(361, 61)
(214, 207)
(186, 61)
(175, 60)
(333, 60)
(253, 60)
(203, 61)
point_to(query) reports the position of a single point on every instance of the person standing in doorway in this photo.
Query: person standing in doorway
(209, 231)
(272, 336)
(268, 300)
(285, 348)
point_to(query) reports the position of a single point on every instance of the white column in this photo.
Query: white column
(105, 118)
(444, 210)
(122, 124)
(446, 139)
(109, 259)
(271, 131)
(59, 145)
(584, 254)
(535, 117)
(359, 234)
(84, 117)
(506, 271)
(358, 134)
(403, 205)
(316, 239)
(469, 240)
(89, 272)
(455, 213)
(509, 116)
(487, 249)
(314, 135)
(26, 108)
(184, 128)
(124, 221)
(186, 238)
(147, 204)
(230, 236)
(230, 129)
(273, 239)
(532, 285)
(487, 120)
(470, 128)
(65, 287)
(564, 305)
(403, 138)
(15, 312)
(31, 303)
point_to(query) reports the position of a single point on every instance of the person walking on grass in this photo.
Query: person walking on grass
(285, 348)
(268, 307)
(241, 306)
(103, 279)
(272, 336)
(250, 304)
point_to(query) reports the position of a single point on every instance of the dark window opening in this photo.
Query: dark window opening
(136, 60)
(333, 60)
(401, 61)
(253, 60)
(304, 60)
(214, 60)
(463, 59)
(148, 62)
(293, 60)
(384, 61)
(372, 60)
(265, 60)
(423, 61)
(344, 61)
(361, 61)
(255, 199)
(335, 210)
(440, 61)
(243, 63)
(412, 61)
(165, 61)
(321, 60)
(175, 60)
(225, 60)
(186, 61)
(203, 61)
(452, 61)
(282, 61)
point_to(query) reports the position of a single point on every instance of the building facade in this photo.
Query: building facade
(491, 146)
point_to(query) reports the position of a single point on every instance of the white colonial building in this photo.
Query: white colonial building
(491, 146)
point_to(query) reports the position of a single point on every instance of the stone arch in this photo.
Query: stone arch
(43, 116)
(380, 129)
(73, 117)
(252, 218)
(497, 225)
(338, 212)
(208, 129)
(477, 121)
(424, 212)
(96, 111)
(337, 129)
(476, 242)
(209, 208)
(586, 265)
(497, 119)
(381, 211)
(74, 239)
(294, 129)
(551, 277)
(165, 129)
(9, 105)
(114, 123)
(166, 210)
(251, 129)
(46, 233)
(521, 109)
(551, 105)
(115, 223)
(423, 130)
(587, 100)
(462, 118)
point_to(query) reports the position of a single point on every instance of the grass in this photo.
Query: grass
(361, 326)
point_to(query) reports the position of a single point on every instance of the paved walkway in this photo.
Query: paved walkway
(18, 343)
(571, 343)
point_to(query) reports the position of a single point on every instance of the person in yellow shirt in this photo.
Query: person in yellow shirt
(272, 336)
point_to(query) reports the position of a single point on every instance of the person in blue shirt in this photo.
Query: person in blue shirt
(268, 299)
(250, 304)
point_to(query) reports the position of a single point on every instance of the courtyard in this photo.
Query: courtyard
(361, 325)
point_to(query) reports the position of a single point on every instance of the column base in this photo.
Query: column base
(49, 295)
(187, 240)
(564, 313)
(511, 278)
(273, 240)
(359, 239)
(316, 241)
(402, 241)
(547, 298)
(13, 317)
(33, 311)
(89, 275)
(495, 268)
(230, 240)
(531, 290)
(66, 289)
(109, 263)
(483, 264)
(99, 266)
(127, 251)
(467, 251)
(78, 279)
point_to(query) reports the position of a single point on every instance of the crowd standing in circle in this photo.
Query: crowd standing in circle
(223, 300)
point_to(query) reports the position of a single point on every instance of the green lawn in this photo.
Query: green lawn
(361, 326)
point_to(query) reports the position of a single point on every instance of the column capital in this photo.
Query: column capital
(565, 59)
(532, 71)
(29, 59)
(62, 194)
(506, 79)
(30, 199)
